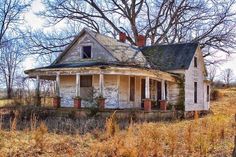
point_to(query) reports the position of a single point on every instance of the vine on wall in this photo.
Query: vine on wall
(181, 97)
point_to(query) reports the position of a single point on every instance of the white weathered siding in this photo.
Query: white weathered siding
(75, 52)
(206, 103)
(192, 75)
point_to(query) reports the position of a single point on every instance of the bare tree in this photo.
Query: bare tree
(212, 73)
(10, 57)
(228, 76)
(209, 22)
(10, 17)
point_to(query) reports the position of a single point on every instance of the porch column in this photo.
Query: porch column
(37, 92)
(101, 84)
(101, 99)
(163, 97)
(163, 102)
(57, 98)
(77, 85)
(58, 85)
(147, 100)
(147, 87)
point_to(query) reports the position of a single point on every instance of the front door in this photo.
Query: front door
(86, 90)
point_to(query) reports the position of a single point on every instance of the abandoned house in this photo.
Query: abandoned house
(120, 75)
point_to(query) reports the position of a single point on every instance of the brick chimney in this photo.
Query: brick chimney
(122, 37)
(140, 41)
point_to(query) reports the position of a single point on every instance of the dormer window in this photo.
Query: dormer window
(195, 62)
(86, 52)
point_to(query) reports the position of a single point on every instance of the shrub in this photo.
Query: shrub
(215, 94)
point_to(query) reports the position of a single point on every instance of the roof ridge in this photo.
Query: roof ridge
(168, 44)
(106, 36)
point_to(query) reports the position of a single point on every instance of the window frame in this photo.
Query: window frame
(195, 92)
(195, 61)
(208, 93)
(82, 51)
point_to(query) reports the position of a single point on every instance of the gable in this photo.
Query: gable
(200, 61)
(104, 48)
(74, 53)
(171, 56)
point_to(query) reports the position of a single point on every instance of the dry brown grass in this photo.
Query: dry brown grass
(208, 136)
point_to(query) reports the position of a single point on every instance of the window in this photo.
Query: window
(208, 93)
(132, 88)
(86, 52)
(195, 92)
(195, 62)
(86, 81)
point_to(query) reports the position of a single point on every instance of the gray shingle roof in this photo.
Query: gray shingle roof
(171, 56)
(123, 52)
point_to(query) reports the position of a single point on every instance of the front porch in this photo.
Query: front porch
(121, 88)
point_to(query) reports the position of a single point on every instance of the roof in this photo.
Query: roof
(171, 56)
(159, 57)
(122, 52)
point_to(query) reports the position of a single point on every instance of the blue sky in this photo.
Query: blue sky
(36, 22)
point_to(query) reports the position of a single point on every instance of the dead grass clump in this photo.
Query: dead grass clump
(39, 136)
(111, 125)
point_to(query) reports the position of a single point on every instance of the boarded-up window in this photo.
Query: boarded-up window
(208, 93)
(132, 88)
(86, 81)
(195, 62)
(86, 52)
(86, 91)
(195, 92)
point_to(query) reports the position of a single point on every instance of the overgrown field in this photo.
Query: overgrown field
(212, 135)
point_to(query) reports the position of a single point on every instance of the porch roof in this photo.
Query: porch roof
(90, 68)
(88, 63)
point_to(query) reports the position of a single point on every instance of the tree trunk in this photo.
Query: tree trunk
(9, 93)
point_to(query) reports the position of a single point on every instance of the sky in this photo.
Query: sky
(36, 22)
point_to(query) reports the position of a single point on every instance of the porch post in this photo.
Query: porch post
(37, 91)
(163, 97)
(163, 102)
(101, 84)
(57, 98)
(101, 99)
(147, 88)
(77, 85)
(77, 99)
(147, 100)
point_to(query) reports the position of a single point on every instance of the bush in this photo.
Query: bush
(215, 94)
